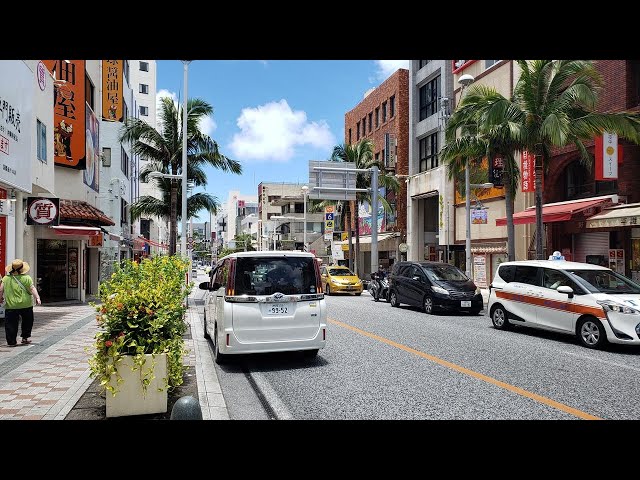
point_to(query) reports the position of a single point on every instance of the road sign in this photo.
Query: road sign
(328, 225)
(328, 216)
(329, 184)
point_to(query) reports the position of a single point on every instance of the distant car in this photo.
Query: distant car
(265, 302)
(593, 303)
(433, 286)
(338, 279)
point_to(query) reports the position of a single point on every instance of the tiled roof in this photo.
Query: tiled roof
(74, 210)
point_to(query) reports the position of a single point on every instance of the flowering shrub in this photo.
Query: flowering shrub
(142, 312)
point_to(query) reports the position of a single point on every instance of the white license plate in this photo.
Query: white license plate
(465, 304)
(277, 309)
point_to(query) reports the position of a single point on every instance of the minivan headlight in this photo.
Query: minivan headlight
(610, 306)
(440, 290)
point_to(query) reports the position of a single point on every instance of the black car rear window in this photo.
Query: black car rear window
(268, 275)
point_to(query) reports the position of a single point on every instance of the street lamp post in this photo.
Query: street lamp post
(305, 192)
(466, 80)
(183, 243)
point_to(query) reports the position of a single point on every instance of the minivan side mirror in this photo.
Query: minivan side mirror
(565, 289)
(204, 286)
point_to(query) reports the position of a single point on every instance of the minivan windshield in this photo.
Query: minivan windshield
(445, 273)
(605, 281)
(268, 275)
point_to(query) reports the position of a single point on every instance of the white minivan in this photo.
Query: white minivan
(591, 302)
(265, 302)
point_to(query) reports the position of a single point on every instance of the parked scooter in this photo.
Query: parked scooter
(379, 287)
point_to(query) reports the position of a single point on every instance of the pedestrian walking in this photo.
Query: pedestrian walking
(17, 289)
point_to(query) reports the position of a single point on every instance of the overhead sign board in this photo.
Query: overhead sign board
(332, 184)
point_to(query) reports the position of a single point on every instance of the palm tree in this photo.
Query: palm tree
(161, 207)
(163, 147)
(485, 117)
(361, 154)
(556, 100)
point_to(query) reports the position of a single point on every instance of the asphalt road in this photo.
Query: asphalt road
(399, 363)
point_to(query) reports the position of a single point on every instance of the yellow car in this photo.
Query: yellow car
(340, 279)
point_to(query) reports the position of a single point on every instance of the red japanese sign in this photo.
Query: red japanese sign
(528, 172)
(43, 211)
(3, 232)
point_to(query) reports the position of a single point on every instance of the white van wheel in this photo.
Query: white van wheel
(500, 318)
(591, 333)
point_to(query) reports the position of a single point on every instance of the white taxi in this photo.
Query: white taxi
(591, 302)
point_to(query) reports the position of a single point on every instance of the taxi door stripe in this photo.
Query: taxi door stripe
(480, 376)
(552, 304)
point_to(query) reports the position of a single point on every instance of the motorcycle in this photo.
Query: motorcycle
(379, 288)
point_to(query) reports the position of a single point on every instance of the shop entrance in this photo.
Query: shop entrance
(52, 270)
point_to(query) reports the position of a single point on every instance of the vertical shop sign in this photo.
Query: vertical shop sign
(72, 263)
(112, 90)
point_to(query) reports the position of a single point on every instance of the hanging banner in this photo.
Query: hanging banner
(16, 111)
(479, 216)
(68, 112)
(112, 90)
(607, 153)
(528, 172)
(91, 175)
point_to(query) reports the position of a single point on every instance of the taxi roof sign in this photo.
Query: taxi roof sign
(556, 256)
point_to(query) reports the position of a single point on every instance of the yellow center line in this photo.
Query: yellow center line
(512, 388)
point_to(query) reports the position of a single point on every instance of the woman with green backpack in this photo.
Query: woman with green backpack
(16, 290)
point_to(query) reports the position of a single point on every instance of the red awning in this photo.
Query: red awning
(554, 212)
(72, 230)
(153, 243)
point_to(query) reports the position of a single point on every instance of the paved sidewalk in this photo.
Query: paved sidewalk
(44, 380)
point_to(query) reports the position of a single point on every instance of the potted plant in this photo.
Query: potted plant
(139, 348)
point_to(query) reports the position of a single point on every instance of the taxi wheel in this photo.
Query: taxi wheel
(591, 333)
(500, 318)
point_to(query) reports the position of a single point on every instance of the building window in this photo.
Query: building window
(357, 131)
(384, 112)
(370, 121)
(41, 132)
(144, 88)
(349, 136)
(377, 157)
(429, 152)
(124, 162)
(89, 91)
(364, 126)
(429, 94)
(392, 106)
(125, 111)
(490, 63)
(144, 111)
(422, 63)
(377, 117)
(126, 71)
(144, 66)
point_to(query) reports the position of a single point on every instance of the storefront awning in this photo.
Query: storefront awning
(153, 243)
(619, 216)
(558, 212)
(72, 230)
(77, 211)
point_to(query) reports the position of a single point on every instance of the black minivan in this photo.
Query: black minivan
(433, 286)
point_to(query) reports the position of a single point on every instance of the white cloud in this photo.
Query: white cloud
(387, 67)
(264, 62)
(207, 125)
(273, 131)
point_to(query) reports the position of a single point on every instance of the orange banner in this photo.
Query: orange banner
(482, 193)
(68, 112)
(112, 90)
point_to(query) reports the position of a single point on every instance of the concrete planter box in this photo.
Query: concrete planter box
(131, 399)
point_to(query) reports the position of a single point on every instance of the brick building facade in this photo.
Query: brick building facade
(385, 110)
(568, 180)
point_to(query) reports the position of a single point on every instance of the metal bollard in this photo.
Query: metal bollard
(186, 408)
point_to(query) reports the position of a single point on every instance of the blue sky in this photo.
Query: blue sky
(273, 115)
